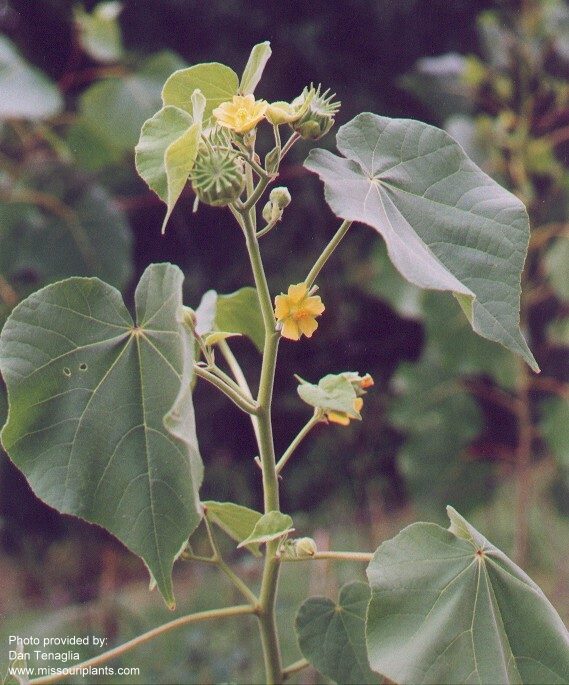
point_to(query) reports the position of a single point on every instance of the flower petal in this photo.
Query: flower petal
(307, 326)
(338, 417)
(290, 329)
(313, 305)
(282, 307)
(296, 293)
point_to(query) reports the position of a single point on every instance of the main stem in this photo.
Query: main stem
(267, 597)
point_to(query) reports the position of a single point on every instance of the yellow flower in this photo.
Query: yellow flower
(242, 114)
(341, 417)
(297, 312)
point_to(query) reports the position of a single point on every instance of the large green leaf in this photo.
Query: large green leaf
(26, 92)
(447, 225)
(332, 635)
(114, 109)
(217, 82)
(448, 607)
(88, 390)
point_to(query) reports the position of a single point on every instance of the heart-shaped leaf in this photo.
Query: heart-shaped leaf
(332, 635)
(26, 92)
(217, 82)
(159, 132)
(166, 152)
(235, 520)
(237, 312)
(255, 66)
(448, 607)
(447, 225)
(114, 109)
(178, 161)
(271, 526)
(88, 389)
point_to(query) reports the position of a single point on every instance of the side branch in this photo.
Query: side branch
(327, 253)
(239, 610)
(364, 557)
(236, 397)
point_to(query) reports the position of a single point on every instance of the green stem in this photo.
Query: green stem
(365, 557)
(237, 398)
(217, 559)
(297, 666)
(263, 293)
(289, 143)
(239, 610)
(269, 583)
(267, 229)
(267, 616)
(255, 195)
(237, 372)
(326, 254)
(252, 164)
(296, 442)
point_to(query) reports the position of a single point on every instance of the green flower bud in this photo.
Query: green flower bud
(217, 177)
(280, 196)
(268, 211)
(298, 548)
(319, 117)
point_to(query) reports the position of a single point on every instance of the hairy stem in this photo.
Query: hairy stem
(296, 442)
(239, 610)
(269, 583)
(237, 372)
(327, 253)
(237, 398)
(364, 557)
(297, 666)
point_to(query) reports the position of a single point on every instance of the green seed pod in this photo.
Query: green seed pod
(217, 178)
(319, 117)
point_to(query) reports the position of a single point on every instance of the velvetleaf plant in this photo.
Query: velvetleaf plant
(101, 419)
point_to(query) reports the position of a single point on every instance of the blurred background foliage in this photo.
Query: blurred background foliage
(453, 419)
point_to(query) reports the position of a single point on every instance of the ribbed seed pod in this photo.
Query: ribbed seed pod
(217, 177)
